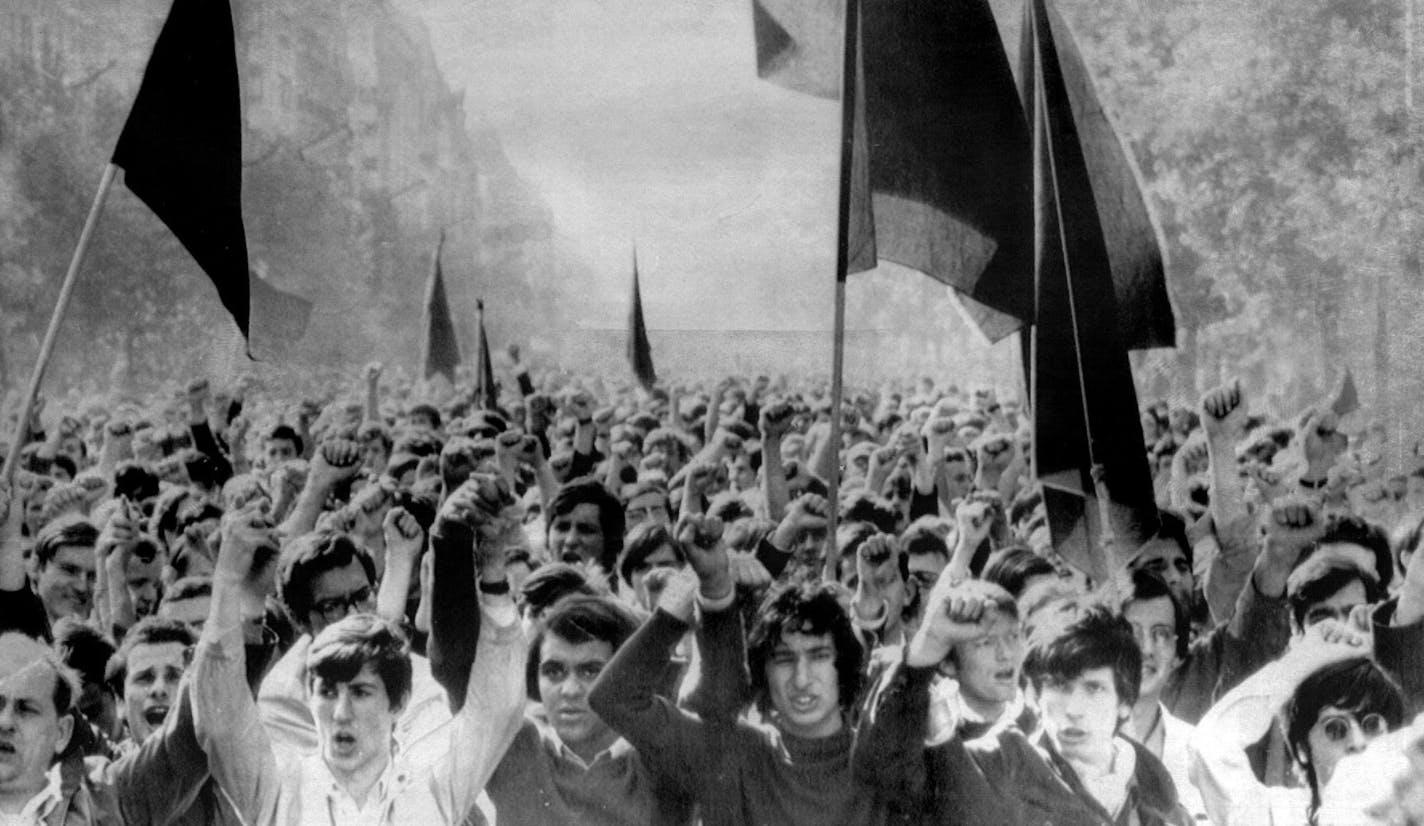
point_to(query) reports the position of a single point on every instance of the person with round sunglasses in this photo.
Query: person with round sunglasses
(1332, 699)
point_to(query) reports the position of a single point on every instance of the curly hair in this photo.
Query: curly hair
(808, 607)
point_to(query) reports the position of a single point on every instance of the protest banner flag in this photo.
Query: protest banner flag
(440, 351)
(181, 147)
(1087, 429)
(640, 351)
(181, 152)
(940, 174)
(486, 391)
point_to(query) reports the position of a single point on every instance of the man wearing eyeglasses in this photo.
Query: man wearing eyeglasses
(1333, 700)
(323, 577)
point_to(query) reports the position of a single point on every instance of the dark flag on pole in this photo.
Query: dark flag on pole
(940, 174)
(640, 352)
(942, 167)
(440, 352)
(1087, 430)
(181, 148)
(486, 391)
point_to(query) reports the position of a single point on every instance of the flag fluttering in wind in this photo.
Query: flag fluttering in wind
(942, 169)
(181, 152)
(486, 391)
(1087, 429)
(940, 174)
(440, 351)
(640, 352)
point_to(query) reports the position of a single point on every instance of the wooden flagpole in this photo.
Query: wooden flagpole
(829, 570)
(61, 304)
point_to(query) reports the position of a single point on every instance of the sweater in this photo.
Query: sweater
(737, 772)
(541, 783)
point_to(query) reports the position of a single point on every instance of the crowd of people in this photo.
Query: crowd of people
(595, 604)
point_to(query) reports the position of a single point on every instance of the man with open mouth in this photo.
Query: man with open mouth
(359, 679)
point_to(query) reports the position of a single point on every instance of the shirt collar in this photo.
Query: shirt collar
(392, 779)
(37, 808)
(615, 750)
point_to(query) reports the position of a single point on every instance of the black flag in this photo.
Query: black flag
(181, 148)
(440, 352)
(640, 352)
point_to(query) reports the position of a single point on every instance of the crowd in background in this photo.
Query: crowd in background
(592, 603)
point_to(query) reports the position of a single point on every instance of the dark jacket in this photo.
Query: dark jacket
(1005, 778)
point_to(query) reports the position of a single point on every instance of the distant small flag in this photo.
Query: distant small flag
(640, 352)
(486, 391)
(181, 152)
(440, 352)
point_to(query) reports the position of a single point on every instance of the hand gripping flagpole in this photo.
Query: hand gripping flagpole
(61, 304)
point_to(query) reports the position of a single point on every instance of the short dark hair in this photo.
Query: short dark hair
(1011, 568)
(589, 491)
(804, 607)
(1320, 577)
(642, 541)
(1356, 685)
(148, 631)
(921, 540)
(341, 649)
(1147, 585)
(63, 533)
(426, 410)
(287, 432)
(310, 555)
(83, 648)
(552, 582)
(579, 618)
(1078, 635)
(865, 506)
(1353, 530)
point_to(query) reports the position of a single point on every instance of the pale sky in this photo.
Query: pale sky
(645, 119)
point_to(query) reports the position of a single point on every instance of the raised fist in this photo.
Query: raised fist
(1294, 525)
(974, 519)
(1224, 412)
(775, 420)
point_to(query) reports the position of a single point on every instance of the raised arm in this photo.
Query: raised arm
(334, 462)
(225, 717)
(494, 698)
(404, 541)
(1220, 767)
(774, 423)
(673, 743)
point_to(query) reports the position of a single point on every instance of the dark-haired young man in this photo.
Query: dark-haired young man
(1333, 700)
(322, 578)
(1085, 668)
(358, 680)
(585, 523)
(804, 662)
(566, 764)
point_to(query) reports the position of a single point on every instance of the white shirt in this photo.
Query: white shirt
(38, 807)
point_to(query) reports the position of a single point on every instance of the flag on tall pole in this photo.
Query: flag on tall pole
(943, 163)
(1087, 430)
(486, 391)
(640, 352)
(181, 152)
(440, 351)
(940, 173)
